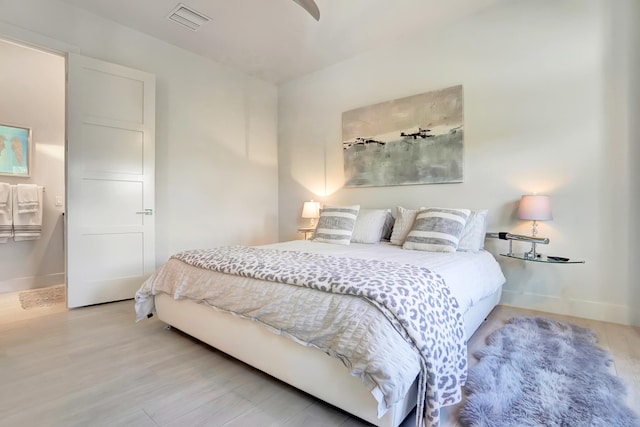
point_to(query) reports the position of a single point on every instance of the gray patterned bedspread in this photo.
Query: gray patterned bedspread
(414, 300)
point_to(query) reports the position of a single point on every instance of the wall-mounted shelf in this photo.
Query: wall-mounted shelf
(541, 258)
(532, 255)
(308, 232)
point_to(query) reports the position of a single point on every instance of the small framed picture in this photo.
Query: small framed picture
(15, 150)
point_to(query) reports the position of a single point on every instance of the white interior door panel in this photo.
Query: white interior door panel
(110, 180)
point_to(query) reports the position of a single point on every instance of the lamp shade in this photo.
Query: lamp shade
(535, 207)
(311, 209)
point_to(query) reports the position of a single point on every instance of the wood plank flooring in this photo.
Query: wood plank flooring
(95, 366)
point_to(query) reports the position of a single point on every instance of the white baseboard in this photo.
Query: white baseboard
(33, 282)
(569, 307)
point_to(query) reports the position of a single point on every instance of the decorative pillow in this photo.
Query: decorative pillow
(403, 224)
(437, 230)
(472, 237)
(369, 225)
(336, 223)
(387, 229)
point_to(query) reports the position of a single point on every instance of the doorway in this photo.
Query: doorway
(32, 84)
(93, 127)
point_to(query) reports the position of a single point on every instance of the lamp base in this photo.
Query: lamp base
(532, 254)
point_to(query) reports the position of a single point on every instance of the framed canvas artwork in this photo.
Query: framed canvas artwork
(414, 140)
(15, 150)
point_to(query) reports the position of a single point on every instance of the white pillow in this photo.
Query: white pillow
(336, 224)
(403, 224)
(369, 225)
(473, 235)
(437, 230)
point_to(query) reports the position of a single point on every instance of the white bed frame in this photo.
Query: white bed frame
(306, 368)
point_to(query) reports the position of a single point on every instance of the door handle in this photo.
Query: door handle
(146, 212)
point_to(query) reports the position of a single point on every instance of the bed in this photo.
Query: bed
(227, 319)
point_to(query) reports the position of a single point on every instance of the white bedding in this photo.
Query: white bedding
(471, 276)
(375, 353)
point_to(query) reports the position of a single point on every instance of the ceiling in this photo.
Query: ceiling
(277, 40)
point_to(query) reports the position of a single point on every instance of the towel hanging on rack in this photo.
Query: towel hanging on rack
(5, 194)
(6, 212)
(28, 198)
(27, 223)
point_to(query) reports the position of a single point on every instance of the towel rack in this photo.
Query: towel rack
(41, 186)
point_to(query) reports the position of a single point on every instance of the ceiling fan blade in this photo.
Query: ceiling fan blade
(311, 7)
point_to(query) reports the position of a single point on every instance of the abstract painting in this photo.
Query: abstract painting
(414, 140)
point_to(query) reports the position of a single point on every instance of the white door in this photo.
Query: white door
(110, 180)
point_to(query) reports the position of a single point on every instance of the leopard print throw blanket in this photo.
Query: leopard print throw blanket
(414, 299)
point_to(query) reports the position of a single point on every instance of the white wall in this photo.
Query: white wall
(630, 13)
(32, 95)
(216, 128)
(542, 114)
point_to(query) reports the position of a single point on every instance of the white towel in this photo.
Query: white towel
(28, 199)
(27, 225)
(6, 213)
(5, 194)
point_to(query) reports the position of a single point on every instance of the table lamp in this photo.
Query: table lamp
(311, 210)
(536, 208)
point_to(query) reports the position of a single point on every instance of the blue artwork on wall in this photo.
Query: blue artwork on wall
(14, 150)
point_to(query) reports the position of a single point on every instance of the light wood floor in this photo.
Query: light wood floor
(95, 367)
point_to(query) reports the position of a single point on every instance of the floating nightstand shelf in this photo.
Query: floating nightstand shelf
(542, 258)
(308, 232)
(532, 255)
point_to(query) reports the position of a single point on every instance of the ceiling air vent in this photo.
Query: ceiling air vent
(187, 17)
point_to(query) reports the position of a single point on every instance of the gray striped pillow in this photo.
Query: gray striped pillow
(437, 230)
(336, 224)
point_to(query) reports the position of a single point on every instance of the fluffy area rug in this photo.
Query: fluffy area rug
(540, 372)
